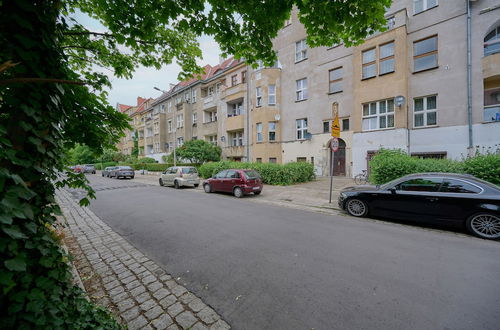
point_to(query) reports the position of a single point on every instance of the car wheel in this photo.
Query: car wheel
(356, 207)
(484, 225)
(237, 192)
(207, 188)
(161, 182)
(257, 192)
(196, 185)
(176, 184)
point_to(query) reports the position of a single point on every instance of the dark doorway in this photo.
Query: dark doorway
(339, 159)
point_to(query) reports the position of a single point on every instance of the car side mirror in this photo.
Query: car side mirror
(392, 190)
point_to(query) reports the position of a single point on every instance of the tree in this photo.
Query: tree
(52, 97)
(199, 151)
(80, 154)
(135, 150)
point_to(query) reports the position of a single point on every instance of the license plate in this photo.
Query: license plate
(255, 188)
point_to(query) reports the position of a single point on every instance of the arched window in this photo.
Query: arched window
(492, 42)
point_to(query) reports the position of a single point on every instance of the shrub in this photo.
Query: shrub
(275, 174)
(388, 165)
(146, 160)
(104, 165)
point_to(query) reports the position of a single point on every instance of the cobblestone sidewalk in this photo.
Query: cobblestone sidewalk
(119, 277)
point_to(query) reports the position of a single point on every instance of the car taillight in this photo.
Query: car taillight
(180, 175)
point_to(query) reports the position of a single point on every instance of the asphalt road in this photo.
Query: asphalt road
(267, 267)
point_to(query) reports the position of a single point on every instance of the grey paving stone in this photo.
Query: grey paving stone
(138, 323)
(131, 314)
(171, 284)
(116, 291)
(220, 325)
(138, 290)
(119, 297)
(162, 322)
(161, 293)
(173, 327)
(142, 297)
(132, 285)
(111, 285)
(153, 287)
(165, 277)
(197, 305)
(153, 313)
(128, 279)
(187, 298)
(199, 326)
(179, 290)
(125, 305)
(148, 304)
(186, 319)
(208, 315)
(168, 301)
(125, 274)
(148, 279)
(175, 309)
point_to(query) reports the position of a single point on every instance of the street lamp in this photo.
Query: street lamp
(160, 90)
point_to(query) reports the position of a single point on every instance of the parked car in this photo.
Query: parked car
(179, 176)
(78, 168)
(440, 198)
(235, 181)
(89, 168)
(107, 170)
(121, 172)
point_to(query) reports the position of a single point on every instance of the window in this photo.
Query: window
(210, 90)
(272, 160)
(234, 80)
(195, 118)
(180, 141)
(180, 121)
(236, 139)
(271, 95)
(386, 63)
(169, 126)
(258, 127)
(258, 160)
(326, 126)
(425, 54)
(217, 87)
(301, 128)
(210, 116)
(300, 50)
(302, 159)
(194, 138)
(193, 95)
(187, 96)
(424, 109)
(435, 155)
(235, 109)
(492, 42)
(212, 139)
(421, 184)
(345, 124)
(378, 115)
(156, 127)
(258, 95)
(232, 174)
(162, 108)
(221, 175)
(335, 77)
(459, 186)
(149, 132)
(491, 104)
(243, 77)
(301, 91)
(169, 106)
(272, 131)
(369, 63)
(391, 22)
(422, 5)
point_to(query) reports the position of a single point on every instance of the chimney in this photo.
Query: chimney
(221, 59)
(172, 85)
(140, 100)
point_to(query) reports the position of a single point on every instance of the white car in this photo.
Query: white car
(179, 176)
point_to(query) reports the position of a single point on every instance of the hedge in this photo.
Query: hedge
(388, 165)
(275, 174)
(104, 165)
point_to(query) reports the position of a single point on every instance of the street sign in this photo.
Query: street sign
(335, 122)
(334, 144)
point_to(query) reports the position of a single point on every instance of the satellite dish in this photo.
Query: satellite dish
(277, 117)
(399, 100)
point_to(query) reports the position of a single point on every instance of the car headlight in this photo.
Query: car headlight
(343, 195)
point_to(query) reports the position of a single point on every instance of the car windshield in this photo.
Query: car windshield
(189, 170)
(251, 174)
(388, 184)
(125, 167)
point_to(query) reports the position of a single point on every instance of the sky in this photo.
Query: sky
(126, 91)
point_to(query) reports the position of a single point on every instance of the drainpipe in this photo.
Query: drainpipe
(248, 115)
(469, 77)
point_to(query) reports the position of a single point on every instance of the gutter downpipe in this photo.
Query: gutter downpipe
(469, 78)
(248, 115)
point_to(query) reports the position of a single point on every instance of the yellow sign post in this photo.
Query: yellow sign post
(335, 122)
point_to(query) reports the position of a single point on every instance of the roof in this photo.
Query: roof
(123, 107)
(209, 72)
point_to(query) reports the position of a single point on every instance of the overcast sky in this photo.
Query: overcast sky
(126, 91)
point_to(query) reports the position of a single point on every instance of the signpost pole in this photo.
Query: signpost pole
(334, 142)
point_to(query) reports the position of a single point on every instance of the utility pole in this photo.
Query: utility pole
(334, 142)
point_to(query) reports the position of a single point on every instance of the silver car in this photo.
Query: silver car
(179, 176)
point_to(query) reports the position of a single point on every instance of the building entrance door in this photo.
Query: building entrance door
(339, 159)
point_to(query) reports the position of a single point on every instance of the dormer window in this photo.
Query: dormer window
(492, 42)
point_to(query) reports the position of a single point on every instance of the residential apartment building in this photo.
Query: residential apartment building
(136, 115)
(408, 87)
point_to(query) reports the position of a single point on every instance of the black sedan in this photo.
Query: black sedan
(440, 198)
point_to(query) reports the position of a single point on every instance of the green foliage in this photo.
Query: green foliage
(104, 165)
(275, 174)
(146, 160)
(110, 155)
(80, 154)
(199, 151)
(135, 150)
(388, 165)
(55, 99)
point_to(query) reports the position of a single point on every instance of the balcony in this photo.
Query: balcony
(235, 123)
(235, 92)
(237, 151)
(149, 140)
(210, 127)
(491, 66)
(209, 102)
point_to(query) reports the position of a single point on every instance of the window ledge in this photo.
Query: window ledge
(490, 122)
(424, 70)
(424, 127)
(386, 73)
(302, 60)
(378, 129)
(425, 10)
(331, 93)
(368, 78)
(297, 101)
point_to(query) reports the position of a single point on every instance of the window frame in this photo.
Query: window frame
(424, 111)
(269, 131)
(273, 94)
(258, 97)
(234, 80)
(301, 94)
(425, 6)
(338, 80)
(431, 53)
(378, 115)
(179, 120)
(387, 58)
(259, 129)
(301, 131)
(374, 62)
(300, 50)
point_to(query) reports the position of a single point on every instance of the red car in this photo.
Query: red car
(236, 181)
